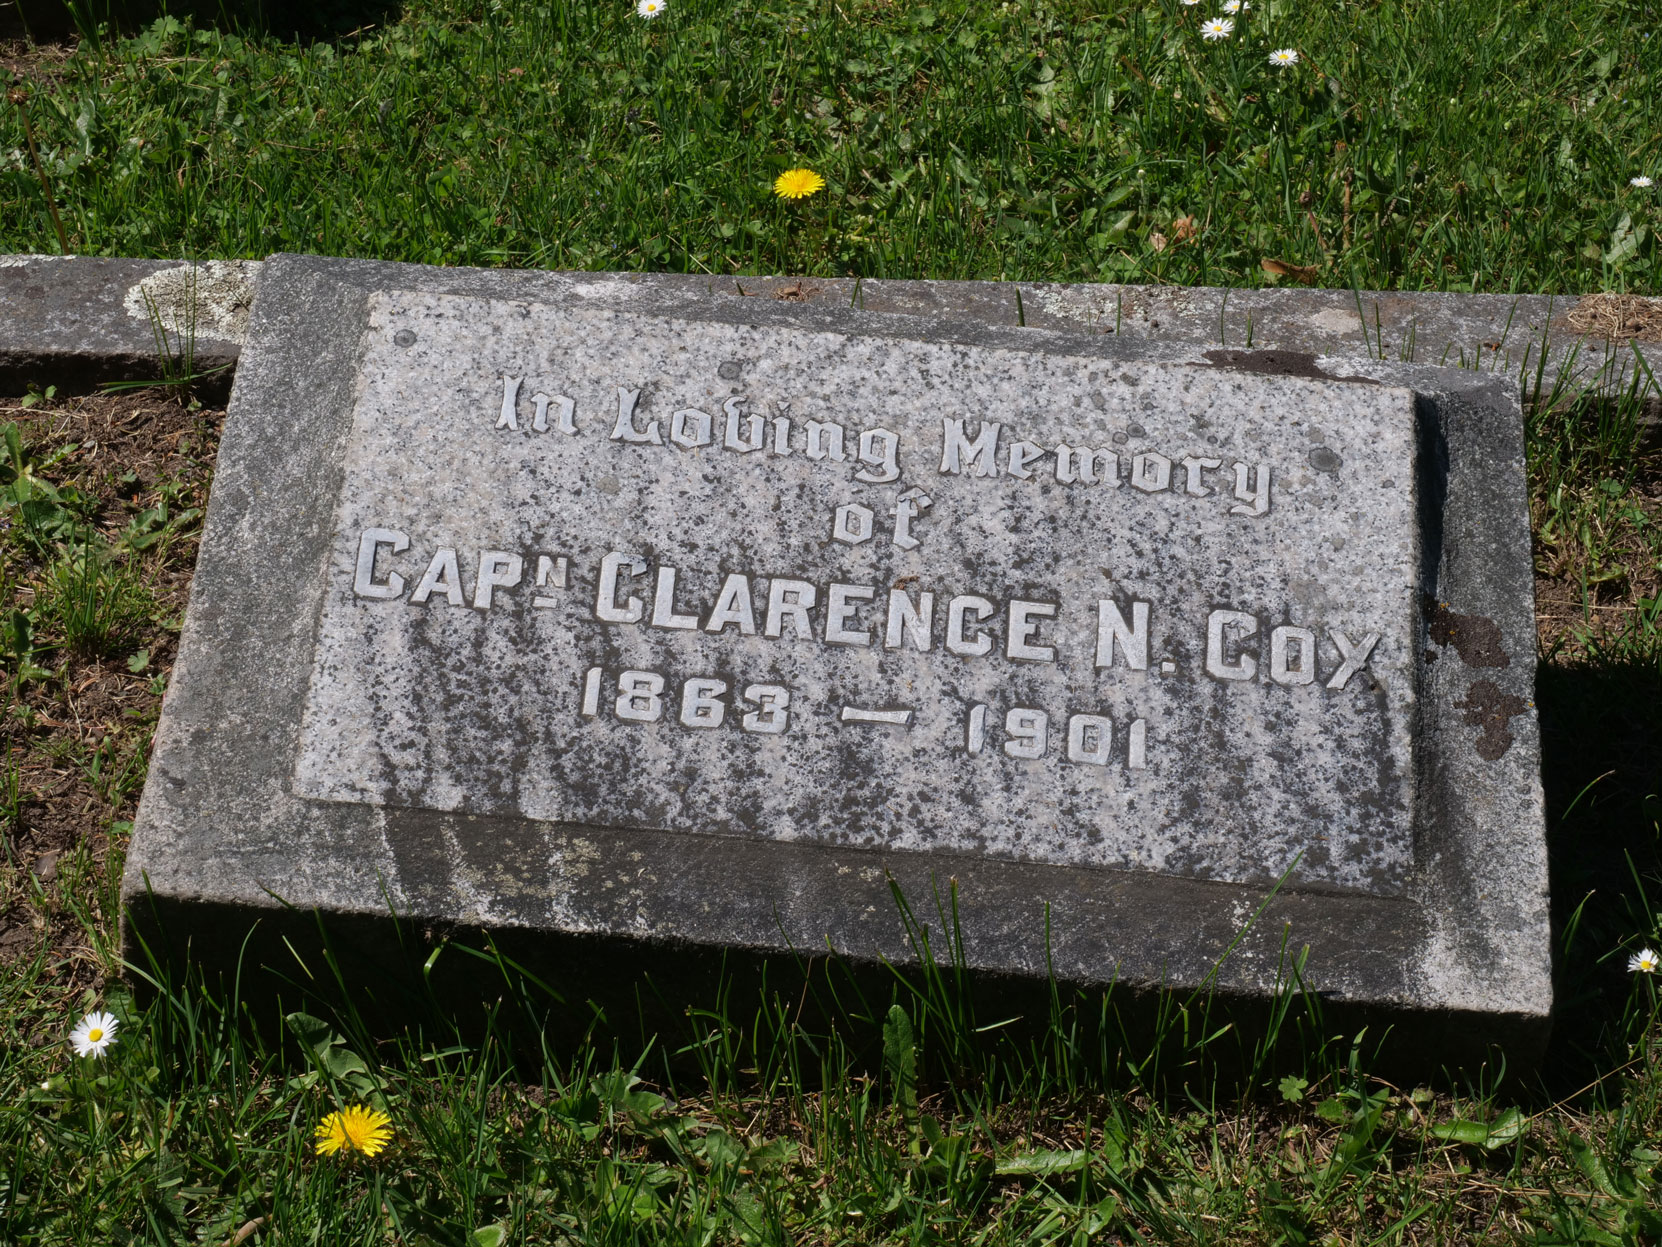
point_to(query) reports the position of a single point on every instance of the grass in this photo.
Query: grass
(1418, 144)
(188, 1131)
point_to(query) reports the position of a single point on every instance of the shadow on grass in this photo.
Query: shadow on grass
(303, 21)
(1601, 728)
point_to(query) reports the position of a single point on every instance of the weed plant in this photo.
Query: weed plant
(1413, 144)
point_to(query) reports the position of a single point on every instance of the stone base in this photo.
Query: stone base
(222, 841)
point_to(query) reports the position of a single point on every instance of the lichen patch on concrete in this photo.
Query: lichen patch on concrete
(1490, 710)
(1334, 320)
(208, 300)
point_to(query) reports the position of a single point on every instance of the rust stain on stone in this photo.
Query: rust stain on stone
(1491, 711)
(1278, 364)
(1476, 638)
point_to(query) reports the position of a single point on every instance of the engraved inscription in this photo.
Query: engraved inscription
(913, 596)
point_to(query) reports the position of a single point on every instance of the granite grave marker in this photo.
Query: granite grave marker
(563, 606)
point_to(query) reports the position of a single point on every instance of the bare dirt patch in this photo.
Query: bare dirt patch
(135, 470)
(25, 62)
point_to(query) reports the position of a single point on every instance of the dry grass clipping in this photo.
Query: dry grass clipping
(1617, 316)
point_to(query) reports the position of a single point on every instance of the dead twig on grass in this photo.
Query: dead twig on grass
(20, 100)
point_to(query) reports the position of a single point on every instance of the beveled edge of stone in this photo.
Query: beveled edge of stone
(216, 824)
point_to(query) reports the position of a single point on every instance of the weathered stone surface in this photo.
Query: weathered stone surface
(515, 735)
(72, 320)
(918, 596)
(78, 321)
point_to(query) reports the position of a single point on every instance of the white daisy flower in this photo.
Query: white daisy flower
(1187, 3)
(1283, 57)
(1640, 183)
(1216, 28)
(1235, 6)
(650, 8)
(95, 1033)
(1645, 961)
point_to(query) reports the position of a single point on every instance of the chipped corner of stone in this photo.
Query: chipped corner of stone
(207, 300)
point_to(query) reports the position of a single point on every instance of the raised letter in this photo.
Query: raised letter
(880, 452)
(1024, 627)
(638, 699)
(839, 610)
(1137, 754)
(1018, 456)
(606, 608)
(825, 441)
(1354, 653)
(957, 613)
(497, 570)
(624, 430)
(364, 583)
(567, 407)
(1094, 465)
(442, 573)
(663, 603)
(793, 599)
(551, 573)
(733, 607)
(591, 693)
(851, 524)
(1029, 732)
(734, 407)
(1150, 472)
(1255, 498)
(772, 715)
(508, 418)
(975, 729)
(1194, 467)
(1090, 737)
(691, 427)
(905, 621)
(1281, 670)
(1247, 666)
(701, 704)
(959, 454)
(1111, 631)
(908, 507)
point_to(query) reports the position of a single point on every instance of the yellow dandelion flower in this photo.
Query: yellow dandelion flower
(797, 183)
(356, 1129)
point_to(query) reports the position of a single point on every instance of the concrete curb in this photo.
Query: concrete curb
(77, 321)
